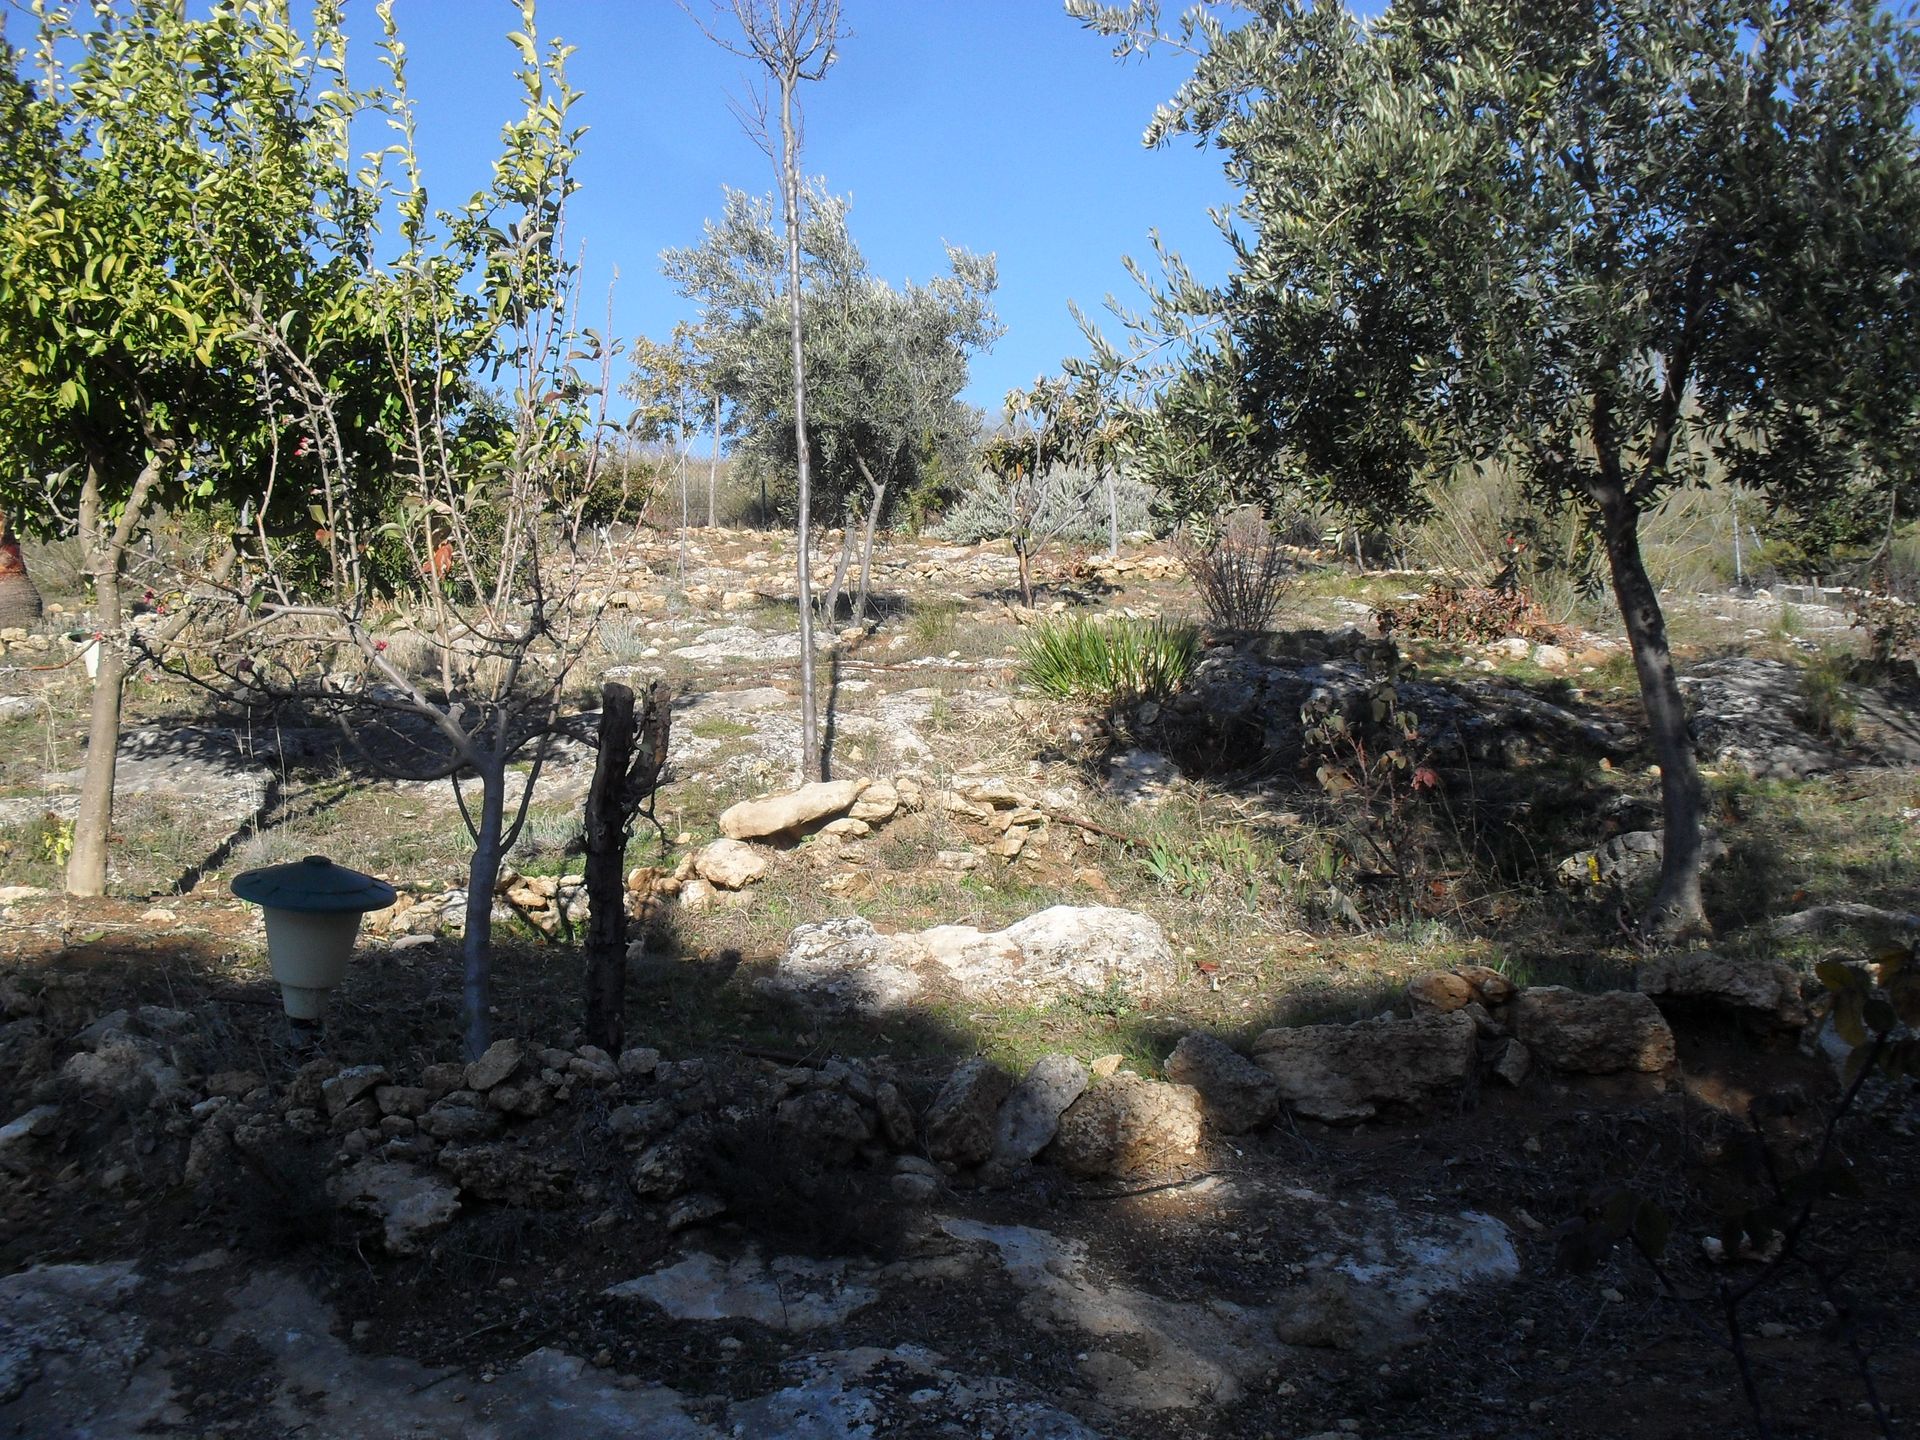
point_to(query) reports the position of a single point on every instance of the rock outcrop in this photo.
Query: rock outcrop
(1344, 1073)
(1592, 1034)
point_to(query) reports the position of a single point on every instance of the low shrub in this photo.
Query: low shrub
(1470, 615)
(1241, 570)
(1110, 662)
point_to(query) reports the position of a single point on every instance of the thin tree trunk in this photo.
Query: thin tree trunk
(1677, 909)
(606, 837)
(106, 559)
(680, 448)
(803, 528)
(876, 501)
(837, 587)
(1113, 513)
(713, 468)
(476, 945)
(1026, 575)
(93, 821)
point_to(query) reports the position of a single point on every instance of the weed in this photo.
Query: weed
(56, 840)
(1113, 662)
(550, 834)
(623, 641)
(1109, 1003)
(1826, 708)
(1469, 614)
(1176, 869)
(718, 727)
(935, 624)
(275, 845)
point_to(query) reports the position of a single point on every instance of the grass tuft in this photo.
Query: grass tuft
(1112, 662)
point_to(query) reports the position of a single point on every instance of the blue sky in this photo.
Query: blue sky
(998, 125)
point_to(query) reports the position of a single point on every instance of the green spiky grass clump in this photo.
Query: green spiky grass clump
(1110, 662)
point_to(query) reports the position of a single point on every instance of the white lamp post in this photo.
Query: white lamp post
(313, 909)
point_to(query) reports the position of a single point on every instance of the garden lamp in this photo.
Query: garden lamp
(313, 909)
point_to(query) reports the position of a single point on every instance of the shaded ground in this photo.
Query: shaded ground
(1047, 1308)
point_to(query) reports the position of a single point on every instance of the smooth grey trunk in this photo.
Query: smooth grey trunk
(483, 873)
(1113, 513)
(837, 587)
(1678, 909)
(713, 468)
(680, 445)
(877, 500)
(803, 526)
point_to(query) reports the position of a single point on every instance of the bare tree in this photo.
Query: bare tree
(439, 628)
(792, 41)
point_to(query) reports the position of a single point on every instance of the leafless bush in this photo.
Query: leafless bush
(1242, 570)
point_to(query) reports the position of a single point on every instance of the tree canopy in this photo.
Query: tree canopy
(885, 366)
(1619, 248)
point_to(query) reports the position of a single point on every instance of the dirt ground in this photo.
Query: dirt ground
(1152, 1306)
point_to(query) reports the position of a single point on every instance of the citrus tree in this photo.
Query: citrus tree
(162, 178)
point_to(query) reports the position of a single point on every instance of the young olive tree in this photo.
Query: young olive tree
(1033, 482)
(793, 42)
(442, 632)
(885, 366)
(164, 176)
(1623, 248)
(668, 386)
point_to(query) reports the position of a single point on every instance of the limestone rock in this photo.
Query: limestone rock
(1236, 1094)
(1512, 1061)
(1440, 992)
(842, 964)
(637, 1125)
(896, 1119)
(825, 1125)
(915, 1189)
(778, 814)
(1128, 1124)
(1766, 986)
(1344, 1073)
(960, 1126)
(877, 803)
(501, 1060)
(1030, 1116)
(508, 1175)
(1490, 987)
(1592, 1034)
(409, 1202)
(453, 1119)
(408, 1101)
(1627, 860)
(1062, 949)
(349, 1085)
(664, 1169)
(730, 865)
(639, 1061)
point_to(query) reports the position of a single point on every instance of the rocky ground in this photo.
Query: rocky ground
(1054, 1074)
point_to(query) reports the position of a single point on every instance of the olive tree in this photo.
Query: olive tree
(1622, 248)
(885, 365)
